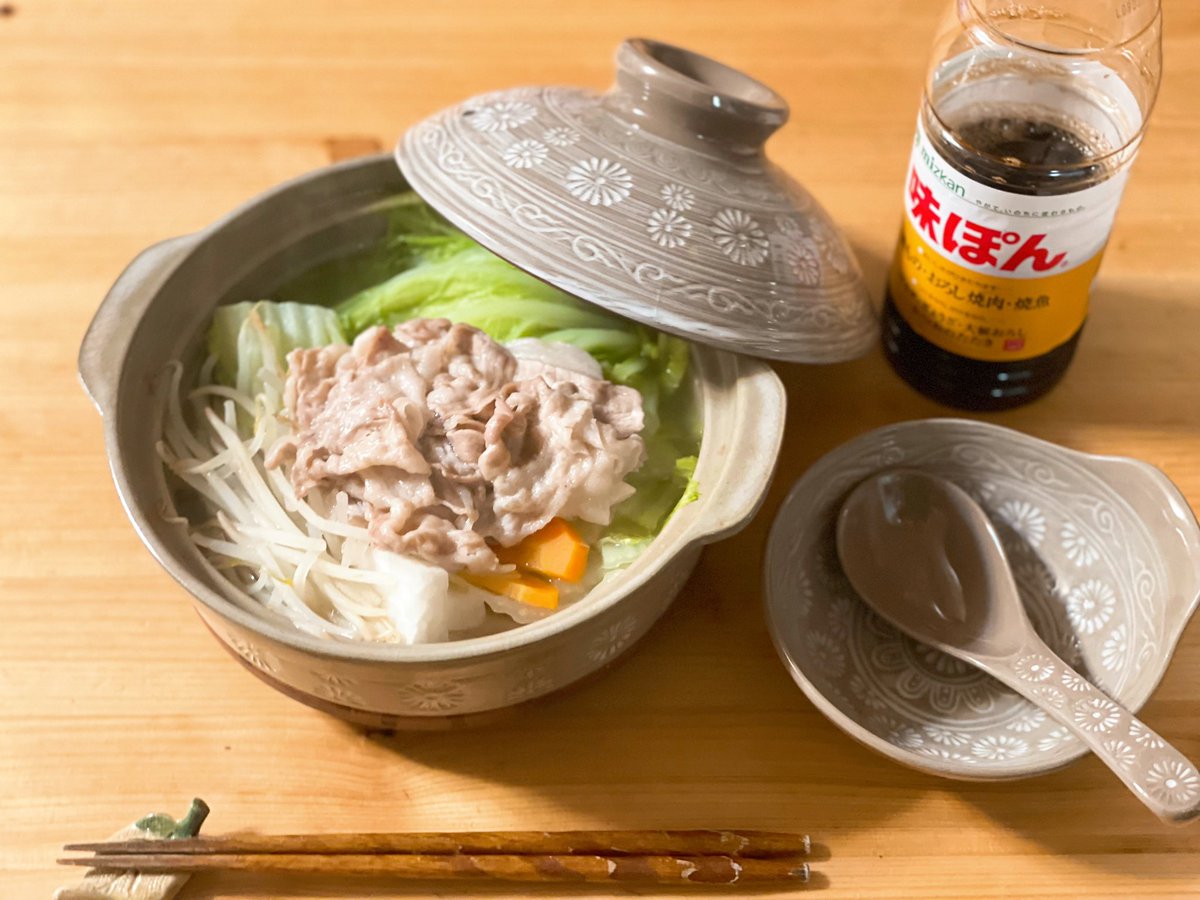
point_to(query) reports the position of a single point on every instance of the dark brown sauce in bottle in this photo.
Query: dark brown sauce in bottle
(1023, 156)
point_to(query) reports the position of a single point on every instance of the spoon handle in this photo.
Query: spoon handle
(1161, 777)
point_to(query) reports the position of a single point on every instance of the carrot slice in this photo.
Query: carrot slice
(519, 586)
(556, 551)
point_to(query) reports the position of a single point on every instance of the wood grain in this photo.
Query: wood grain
(122, 123)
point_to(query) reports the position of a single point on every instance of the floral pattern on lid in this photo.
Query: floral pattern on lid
(652, 202)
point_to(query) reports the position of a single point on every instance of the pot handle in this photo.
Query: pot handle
(745, 479)
(107, 339)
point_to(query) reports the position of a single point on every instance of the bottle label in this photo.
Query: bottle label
(994, 275)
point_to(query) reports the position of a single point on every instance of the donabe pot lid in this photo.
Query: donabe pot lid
(655, 201)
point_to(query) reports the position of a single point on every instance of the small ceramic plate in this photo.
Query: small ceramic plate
(1106, 554)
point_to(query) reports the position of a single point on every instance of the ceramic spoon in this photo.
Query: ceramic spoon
(924, 556)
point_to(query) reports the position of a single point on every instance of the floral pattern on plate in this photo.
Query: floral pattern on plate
(1090, 572)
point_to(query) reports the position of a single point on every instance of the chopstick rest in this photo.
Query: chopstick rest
(123, 883)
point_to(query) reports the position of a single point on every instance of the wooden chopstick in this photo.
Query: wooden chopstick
(739, 844)
(647, 869)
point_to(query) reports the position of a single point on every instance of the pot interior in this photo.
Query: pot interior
(281, 246)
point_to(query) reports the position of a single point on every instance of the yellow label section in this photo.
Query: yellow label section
(981, 316)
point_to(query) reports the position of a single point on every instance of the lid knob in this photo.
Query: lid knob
(690, 98)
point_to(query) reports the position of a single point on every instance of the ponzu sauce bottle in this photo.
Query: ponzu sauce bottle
(1031, 117)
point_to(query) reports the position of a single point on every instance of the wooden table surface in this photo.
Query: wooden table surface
(122, 123)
